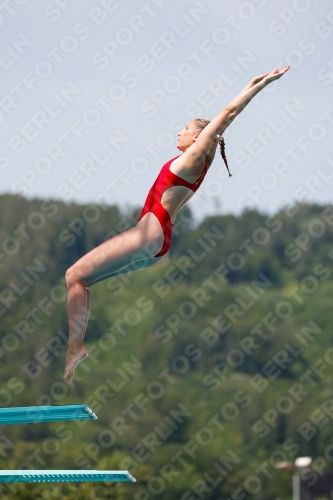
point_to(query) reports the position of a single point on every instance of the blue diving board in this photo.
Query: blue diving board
(60, 476)
(36, 414)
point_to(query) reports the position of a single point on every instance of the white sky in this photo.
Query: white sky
(137, 71)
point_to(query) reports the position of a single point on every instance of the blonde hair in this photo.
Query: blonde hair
(199, 125)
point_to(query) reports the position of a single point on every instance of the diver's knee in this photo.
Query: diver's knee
(72, 277)
(69, 277)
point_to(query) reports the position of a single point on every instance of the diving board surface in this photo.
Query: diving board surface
(36, 414)
(60, 476)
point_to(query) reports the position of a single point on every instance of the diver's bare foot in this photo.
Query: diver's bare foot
(74, 356)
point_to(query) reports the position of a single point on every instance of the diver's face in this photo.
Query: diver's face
(187, 137)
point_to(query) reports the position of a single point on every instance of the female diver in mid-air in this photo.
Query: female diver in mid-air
(148, 242)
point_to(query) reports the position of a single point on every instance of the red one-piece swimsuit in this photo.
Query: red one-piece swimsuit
(164, 181)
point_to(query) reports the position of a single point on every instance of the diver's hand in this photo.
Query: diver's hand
(275, 75)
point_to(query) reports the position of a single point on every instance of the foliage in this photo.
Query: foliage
(204, 370)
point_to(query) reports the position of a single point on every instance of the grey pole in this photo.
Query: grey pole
(296, 486)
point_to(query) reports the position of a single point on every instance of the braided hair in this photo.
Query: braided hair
(222, 149)
(200, 124)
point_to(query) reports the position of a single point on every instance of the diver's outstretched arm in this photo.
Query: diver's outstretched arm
(205, 140)
(254, 80)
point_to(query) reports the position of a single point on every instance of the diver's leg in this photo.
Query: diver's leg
(138, 266)
(112, 256)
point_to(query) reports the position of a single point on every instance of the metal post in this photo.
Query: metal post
(296, 486)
